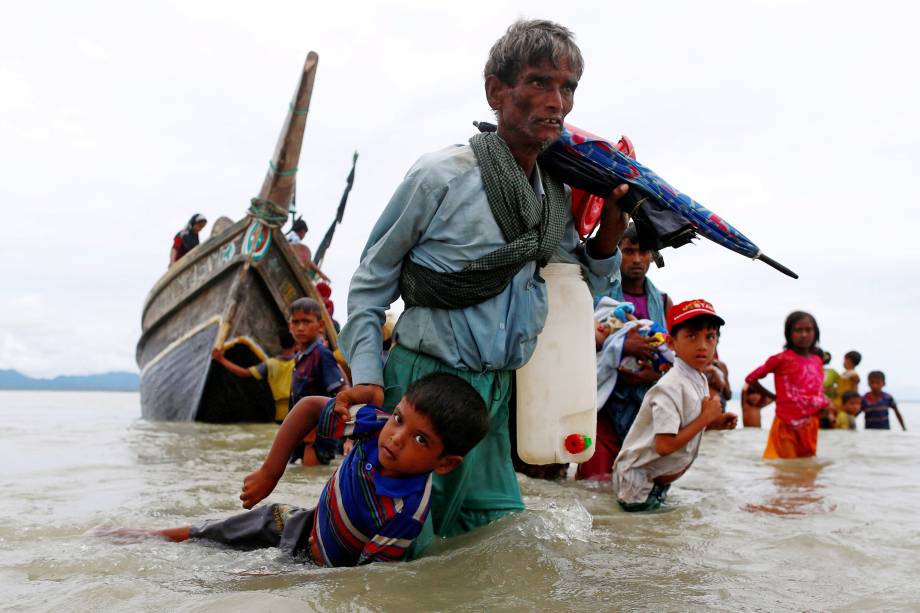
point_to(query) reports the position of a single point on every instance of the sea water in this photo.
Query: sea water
(840, 531)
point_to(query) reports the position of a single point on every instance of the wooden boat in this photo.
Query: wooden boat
(231, 291)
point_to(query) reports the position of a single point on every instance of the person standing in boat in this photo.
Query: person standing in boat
(187, 238)
(295, 239)
(619, 411)
(462, 241)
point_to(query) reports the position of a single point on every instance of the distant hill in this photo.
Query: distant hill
(107, 382)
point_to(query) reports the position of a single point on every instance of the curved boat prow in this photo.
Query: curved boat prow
(281, 177)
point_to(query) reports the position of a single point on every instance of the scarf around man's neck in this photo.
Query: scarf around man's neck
(532, 229)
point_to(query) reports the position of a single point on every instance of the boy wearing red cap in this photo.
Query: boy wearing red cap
(665, 438)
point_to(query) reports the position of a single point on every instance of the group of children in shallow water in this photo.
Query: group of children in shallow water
(809, 396)
(376, 502)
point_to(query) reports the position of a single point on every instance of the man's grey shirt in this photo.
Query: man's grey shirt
(440, 217)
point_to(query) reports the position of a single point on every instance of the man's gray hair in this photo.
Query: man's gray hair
(529, 43)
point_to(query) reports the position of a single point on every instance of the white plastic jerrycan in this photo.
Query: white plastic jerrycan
(557, 388)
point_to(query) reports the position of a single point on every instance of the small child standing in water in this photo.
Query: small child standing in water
(876, 403)
(798, 374)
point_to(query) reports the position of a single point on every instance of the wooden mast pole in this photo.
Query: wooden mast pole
(281, 177)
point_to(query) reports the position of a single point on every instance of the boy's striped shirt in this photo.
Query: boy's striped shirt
(363, 516)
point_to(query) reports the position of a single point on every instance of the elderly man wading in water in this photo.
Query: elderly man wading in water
(462, 240)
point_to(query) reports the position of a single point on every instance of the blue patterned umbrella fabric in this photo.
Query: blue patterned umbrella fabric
(601, 167)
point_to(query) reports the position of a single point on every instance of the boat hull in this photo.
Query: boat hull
(217, 295)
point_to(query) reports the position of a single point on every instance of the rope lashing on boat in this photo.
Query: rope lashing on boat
(282, 173)
(298, 112)
(266, 212)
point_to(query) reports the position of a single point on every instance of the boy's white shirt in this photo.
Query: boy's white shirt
(670, 405)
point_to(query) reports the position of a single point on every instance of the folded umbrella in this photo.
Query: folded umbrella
(593, 164)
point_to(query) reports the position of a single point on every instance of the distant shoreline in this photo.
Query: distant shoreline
(86, 389)
(13, 380)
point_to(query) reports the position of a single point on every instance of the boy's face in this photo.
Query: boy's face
(408, 445)
(754, 398)
(304, 327)
(848, 364)
(876, 384)
(852, 405)
(696, 348)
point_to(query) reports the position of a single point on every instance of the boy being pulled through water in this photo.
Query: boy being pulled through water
(376, 502)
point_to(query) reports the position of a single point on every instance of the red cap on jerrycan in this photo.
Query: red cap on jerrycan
(576, 443)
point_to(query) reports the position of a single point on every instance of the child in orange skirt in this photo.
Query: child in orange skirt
(798, 374)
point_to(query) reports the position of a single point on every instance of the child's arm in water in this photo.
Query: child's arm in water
(300, 421)
(897, 413)
(711, 416)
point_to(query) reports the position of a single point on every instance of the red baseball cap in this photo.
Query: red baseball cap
(687, 310)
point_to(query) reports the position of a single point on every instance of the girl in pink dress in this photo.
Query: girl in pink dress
(798, 374)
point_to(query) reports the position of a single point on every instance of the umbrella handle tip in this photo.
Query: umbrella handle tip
(774, 264)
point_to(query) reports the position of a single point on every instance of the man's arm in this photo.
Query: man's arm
(613, 223)
(299, 422)
(375, 284)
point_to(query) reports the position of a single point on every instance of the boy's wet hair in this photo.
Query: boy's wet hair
(794, 318)
(695, 324)
(876, 374)
(848, 395)
(286, 340)
(854, 356)
(306, 305)
(456, 410)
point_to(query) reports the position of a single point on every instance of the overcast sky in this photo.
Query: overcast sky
(795, 121)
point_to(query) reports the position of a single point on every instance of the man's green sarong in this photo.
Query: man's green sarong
(484, 487)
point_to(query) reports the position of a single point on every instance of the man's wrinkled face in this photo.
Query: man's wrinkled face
(531, 111)
(635, 263)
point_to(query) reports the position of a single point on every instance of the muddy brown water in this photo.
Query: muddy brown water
(837, 532)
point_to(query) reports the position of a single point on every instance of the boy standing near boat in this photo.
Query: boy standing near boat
(316, 373)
